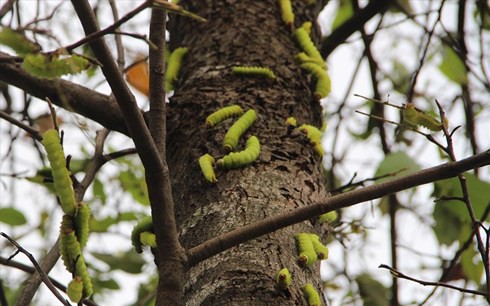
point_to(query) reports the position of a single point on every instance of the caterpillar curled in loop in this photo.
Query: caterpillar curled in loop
(206, 163)
(234, 133)
(283, 278)
(323, 83)
(306, 250)
(144, 225)
(173, 67)
(303, 38)
(242, 158)
(149, 239)
(74, 290)
(223, 114)
(320, 249)
(415, 117)
(82, 229)
(287, 14)
(311, 295)
(61, 177)
(254, 71)
(314, 136)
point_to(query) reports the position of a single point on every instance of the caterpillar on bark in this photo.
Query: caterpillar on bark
(328, 217)
(303, 38)
(173, 67)
(242, 158)
(283, 278)
(416, 117)
(287, 14)
(323, 83)
(254, 71)
(223, 114)
(320, 249)
(61, 177)
(314, 135)
(311, 295)
(206, 162)
(230, 140)
(305, 58)
(306, 250)
(144, 225)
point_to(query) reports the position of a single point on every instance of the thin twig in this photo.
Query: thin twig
(43, 275)
(398, 274)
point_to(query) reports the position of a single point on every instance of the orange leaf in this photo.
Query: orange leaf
(138, 76)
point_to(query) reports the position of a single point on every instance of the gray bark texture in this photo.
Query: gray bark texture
(287, 174)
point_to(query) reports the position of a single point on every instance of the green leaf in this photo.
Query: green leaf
(101, 226)
(51, 67)
(344, 12)
(448, 225)
(472, 265)
(12, 216)
(395, 165)
(17, 42)
(106, 284)
(372, 292)
(98, 190)
(128, 261)
(453, 67)
(135, 185)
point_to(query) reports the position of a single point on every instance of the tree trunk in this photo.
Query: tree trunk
(288, 173)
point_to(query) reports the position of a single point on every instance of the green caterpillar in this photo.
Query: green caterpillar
(304, 58)
(306, 250)
(415, 117)
(283, 278)
(149, 239)
(144, 225)
(311, 295)
(254, 71)
(74, 290)
(320, 249)
(328, 217)
(61, 177)
(314, 136)
(243, 158)
(303, 38)
(323, 83)
(286, 12)
(223, 114)
(73, 258)
(173, 67)
(206, 163)
(230, 140)
(42, 66)
(18, 42)
(82, 224)
(291, 121)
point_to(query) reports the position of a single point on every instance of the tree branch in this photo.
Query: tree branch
(354, 24)
(271, 224)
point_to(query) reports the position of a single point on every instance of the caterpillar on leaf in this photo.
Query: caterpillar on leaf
(328, 217)
(311, 295)
(307, 254)
(149, 239)
(82, 224)
(243, 158)
(415, 117)
(320, 249)
(206, 163)
(283, 278)
(173, 67)
(74, 290)
(254, 71)
(144, 225)
(223, 114)
(287, 14)
(230, 140)
(61, 177)
(53, 66)
(323, 83)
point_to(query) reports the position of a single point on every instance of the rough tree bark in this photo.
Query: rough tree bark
(287, 175)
